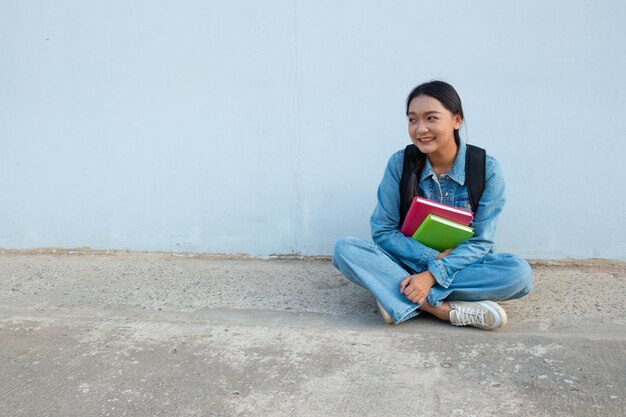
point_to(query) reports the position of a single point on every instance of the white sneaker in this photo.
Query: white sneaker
(384, 313)
(482, 314)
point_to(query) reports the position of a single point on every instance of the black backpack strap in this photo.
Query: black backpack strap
(475, 162)
(409, 181)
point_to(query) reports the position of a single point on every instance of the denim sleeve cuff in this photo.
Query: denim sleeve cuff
(436, 268)
(428, 255)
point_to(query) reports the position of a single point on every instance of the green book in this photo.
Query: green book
(441, 234)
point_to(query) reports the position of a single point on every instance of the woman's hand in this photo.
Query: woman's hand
(444, 253)
(416, 287)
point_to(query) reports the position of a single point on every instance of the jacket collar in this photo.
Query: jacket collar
(457, 173)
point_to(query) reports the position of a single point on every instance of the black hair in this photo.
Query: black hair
(414, 158)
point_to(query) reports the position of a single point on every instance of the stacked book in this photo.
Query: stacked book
(437, 225)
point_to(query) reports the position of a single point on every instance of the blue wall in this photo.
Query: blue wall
(264, 127)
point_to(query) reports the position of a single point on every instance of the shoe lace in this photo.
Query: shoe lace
(468, 316)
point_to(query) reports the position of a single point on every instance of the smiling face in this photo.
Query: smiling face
(432, 126)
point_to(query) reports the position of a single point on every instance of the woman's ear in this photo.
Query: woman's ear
(458, 121)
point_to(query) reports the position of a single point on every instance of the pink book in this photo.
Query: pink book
(420, 208)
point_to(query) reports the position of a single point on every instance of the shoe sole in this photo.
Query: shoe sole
(384, 313)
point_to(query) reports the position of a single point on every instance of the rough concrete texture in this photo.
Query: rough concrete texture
(89, 334)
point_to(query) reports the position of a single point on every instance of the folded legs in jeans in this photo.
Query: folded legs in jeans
(497, 277)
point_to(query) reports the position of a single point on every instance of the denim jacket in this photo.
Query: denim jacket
(449, 189)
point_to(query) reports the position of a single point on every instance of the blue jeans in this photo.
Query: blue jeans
(496, 277)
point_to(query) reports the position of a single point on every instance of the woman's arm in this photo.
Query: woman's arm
(386, 216)
(484, 224)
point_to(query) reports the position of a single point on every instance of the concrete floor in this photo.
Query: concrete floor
(87, 333)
